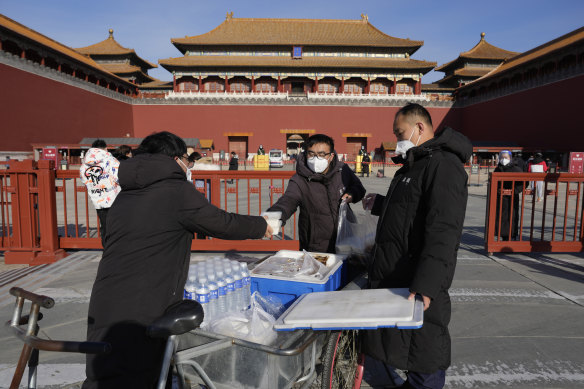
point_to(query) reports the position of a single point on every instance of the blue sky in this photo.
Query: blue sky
(446, 27)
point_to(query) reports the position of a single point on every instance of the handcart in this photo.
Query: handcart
(316, 348)
(314, 353)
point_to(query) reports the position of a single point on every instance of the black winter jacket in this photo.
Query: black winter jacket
(144, 266)
(418, 235)
(318, 196)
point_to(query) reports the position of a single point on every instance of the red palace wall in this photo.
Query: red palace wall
(546, 117)
(265, 122)
(35, 109)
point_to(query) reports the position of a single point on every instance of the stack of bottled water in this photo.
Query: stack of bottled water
(220, 285)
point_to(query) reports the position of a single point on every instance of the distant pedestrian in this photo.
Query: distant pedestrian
(99, 173)
(123, 152)
(233, 164)
(538, 165)
(505, 202)
(365, 164)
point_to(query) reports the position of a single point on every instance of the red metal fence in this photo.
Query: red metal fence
(534, 212)
(44, 210)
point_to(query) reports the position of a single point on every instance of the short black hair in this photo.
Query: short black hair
(99, 144)
(319, 138)
(412, 109)
(194, 156)
(163, 142)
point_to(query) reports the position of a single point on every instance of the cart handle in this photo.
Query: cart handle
(29, 337)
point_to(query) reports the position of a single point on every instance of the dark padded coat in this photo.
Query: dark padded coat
(417, 240)
(318, 196)
(145, 263)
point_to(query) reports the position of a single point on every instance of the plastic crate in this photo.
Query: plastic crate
(289, 289)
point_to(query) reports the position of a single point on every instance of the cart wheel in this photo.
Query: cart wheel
(340, 361)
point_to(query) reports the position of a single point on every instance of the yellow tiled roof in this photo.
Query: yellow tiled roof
(306, 62)
(471, 71)
(326, 32)
(110, 46)
(43, 40)
(482, 50)
(533, 54)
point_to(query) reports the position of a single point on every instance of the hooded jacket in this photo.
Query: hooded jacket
(145, 264)
(99, 173)
(318, 196)
(417, 240)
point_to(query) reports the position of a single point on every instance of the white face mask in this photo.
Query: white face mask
(505, 161)
(188, 172)
(402, 146)
(317, 165)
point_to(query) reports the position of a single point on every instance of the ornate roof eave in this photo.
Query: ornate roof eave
(111, 47)
(536, 54)
(288, 32)
(50, 45)
(283, 69)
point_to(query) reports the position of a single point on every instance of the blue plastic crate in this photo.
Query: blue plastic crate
(288, 289)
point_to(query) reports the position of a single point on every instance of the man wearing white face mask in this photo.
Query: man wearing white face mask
(508, 165)
(418, 234)
(320, 184)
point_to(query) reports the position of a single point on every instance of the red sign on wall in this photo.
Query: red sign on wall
(51, 154)
(577, 162)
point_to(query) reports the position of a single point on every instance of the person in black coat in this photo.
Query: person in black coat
(505, 202)
(320, 184)
(365, 164)
(146, 258)
(234, 161)
(418, 235)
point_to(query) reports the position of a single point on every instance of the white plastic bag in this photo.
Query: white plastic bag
(354, 237)
(311, 267)
(255, 324)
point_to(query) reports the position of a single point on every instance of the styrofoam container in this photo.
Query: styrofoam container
(274, 220)
(289, 289)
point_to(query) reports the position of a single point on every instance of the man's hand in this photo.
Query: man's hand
(347, 198)
(269, 230)
(426, 299)
(368, 201)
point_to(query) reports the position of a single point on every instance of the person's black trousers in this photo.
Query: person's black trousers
(102, 215)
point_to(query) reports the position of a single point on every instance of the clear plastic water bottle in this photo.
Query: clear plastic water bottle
(202, 294)
(247, 284)
(230, 292)
(221, 293)
(213, 294)
(238, 290)
(189, 293)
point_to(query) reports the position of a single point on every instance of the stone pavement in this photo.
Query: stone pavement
(517, 319)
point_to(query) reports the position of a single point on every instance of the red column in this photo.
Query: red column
(0, 44)
(73, 73)
(368, 85)
(59, 68)
(23, 54)
(173, 82)
(226, 84)
(252, 84)
(87, 78)
(43, 61)
(279, 84)
(393, 86)
(200, 84)
(343, 84)
(418, 87)
(315, 84)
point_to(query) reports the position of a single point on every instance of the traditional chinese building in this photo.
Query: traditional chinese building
(297, 56)
(119, 60)
(472, 64)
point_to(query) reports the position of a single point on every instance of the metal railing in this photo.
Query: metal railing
(44, 210)
(517, 222)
